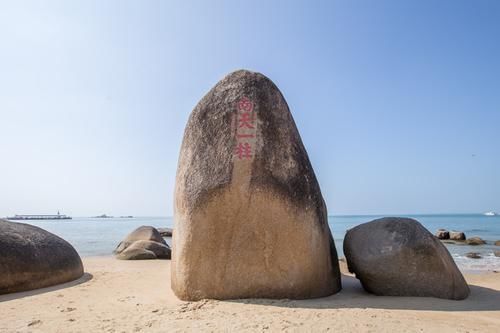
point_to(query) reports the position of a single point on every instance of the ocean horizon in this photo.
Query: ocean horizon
(99, 236)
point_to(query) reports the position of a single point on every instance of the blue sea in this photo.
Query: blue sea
(99, 237)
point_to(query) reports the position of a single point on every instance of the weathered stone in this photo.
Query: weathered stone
(443, 234)
(475, 241)
(165, 232)
(144, 242)
(141, 233)
(473, 255)
(457, 236)
(143, 249)
(496, 253)
(250, 220)
(497, 243)
(32, 258)
(399, 257)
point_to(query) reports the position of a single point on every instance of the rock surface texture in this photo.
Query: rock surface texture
(399, 257)
(475, 241)
(457, 236)
(443, 234)
(250, 220)
(143, 243)
(32, 258)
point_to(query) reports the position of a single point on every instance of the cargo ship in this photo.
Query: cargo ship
(39, 217)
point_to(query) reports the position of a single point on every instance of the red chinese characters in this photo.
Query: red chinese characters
(245, 128)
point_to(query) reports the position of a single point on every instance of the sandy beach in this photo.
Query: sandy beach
(135, 296)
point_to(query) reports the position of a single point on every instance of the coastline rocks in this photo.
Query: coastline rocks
(399, 257)
(250, 220)
(473, 255)
(475, 241)
(443, 234)
(496, 253)
(165, 232)
(457, 236)
(144, 242)
(32, 258)
(497, 243)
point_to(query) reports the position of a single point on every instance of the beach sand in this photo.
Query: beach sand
(135, 296)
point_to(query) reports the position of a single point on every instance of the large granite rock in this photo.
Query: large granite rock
(32, 258)
(250, 220)
(399, 257)
(144, 242)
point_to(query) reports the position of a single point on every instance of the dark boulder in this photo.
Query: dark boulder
(144, 242)
(443, 234)
(32, 258)
(399, 257)
(457, 236)
(473, 255)
(250, 220)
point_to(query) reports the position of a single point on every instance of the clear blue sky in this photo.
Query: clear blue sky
(397, 102)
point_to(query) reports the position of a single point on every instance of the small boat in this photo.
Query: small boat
(490, 214)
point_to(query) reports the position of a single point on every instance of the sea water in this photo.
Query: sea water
(100, 236)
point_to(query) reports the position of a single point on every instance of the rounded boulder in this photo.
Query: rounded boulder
(32, 258)
(399, 257)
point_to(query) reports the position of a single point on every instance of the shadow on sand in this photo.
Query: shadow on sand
(354, 296)
(8, 297)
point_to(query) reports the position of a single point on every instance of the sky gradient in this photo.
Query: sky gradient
(397, 102)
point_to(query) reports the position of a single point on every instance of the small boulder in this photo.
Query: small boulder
(144, 249)
(475, 241)
(398, 257)
(32, 258)
(457, 236)
(473, 255)
(496, 253)
(165, 232)
(143, 243)
(443, 234)
(497, 243)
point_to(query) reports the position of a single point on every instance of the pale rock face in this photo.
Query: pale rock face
(250, 220)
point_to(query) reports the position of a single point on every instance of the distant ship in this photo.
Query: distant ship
(490, 214)
(103, 216)
(39, 217)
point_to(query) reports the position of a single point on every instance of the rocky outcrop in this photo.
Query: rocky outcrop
(443, 234)
(165, 232)
(399, 257)
(32, 258)
(250, 220)
(475, 241)
(473, 255)
(143, 243)
(457, 236)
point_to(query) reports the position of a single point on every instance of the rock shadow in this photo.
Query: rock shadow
(354, 296)
(8, 297)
